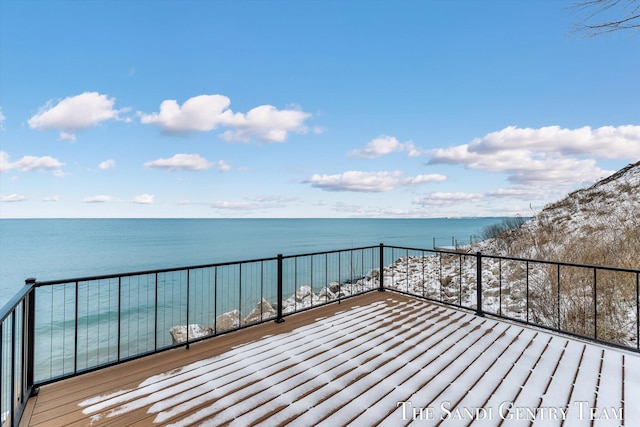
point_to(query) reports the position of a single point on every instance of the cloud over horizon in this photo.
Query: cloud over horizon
(144, 199)
(204, 113)
(180, 162)
(441, 199)
(13, 198)
(546, 156)
(98, 199)
(369, 182)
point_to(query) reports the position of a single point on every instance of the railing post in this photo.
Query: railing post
(279, 318)
(638, 311)
(381, 270)
(479, 311)
(30, 329)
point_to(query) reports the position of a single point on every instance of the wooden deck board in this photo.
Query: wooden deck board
(340, 364)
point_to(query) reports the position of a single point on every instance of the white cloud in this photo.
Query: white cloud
(201, 113)
(223, 166)
(237, 206)
(266, 123)
(607, 142)
(75, 113)
(274, 199)
(189, 162)
(5, 166)
(52, 198)
(107, 164)
(368, 182)
(546, 156)
(383, 145)
(98, 199)
(13, 198)
(144, 198)
(447, 199)
(2, 119)
(357, 181)
(518, 192)
(254, 204)
(29, 163)
(423, 179)
(204, 113)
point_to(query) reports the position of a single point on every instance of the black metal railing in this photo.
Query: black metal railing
(598, 303)
(57, 329)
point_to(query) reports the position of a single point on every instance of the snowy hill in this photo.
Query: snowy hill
(599, 225)
(595, 225)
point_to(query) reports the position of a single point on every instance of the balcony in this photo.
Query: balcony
(454, 337)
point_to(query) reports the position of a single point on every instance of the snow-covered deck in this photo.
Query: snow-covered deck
(378, 359)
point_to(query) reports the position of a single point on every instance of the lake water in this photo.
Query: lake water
(50, 249)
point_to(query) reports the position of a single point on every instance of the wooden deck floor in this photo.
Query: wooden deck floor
(378, 359)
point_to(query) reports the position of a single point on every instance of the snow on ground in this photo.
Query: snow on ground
(391, 363)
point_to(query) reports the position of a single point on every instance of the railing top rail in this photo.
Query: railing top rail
(331, 251)
(567, 264)
(143, 272)
(10, 305)
(539, 261)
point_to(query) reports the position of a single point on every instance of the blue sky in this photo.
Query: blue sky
(307, 108)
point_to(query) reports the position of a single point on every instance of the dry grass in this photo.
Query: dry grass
(595, 226)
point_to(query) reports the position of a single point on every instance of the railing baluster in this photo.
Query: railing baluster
(12, 383)
(215, 297)
(500, 286)
(381, 268)
(339, 277)
(559, 320)
(240, 294)
(351, 269)
(595, 305)
(479, 310)
(440, 262)
(527, 292)
(188, 289)
(460, 283)
(75, 333)
(638, 311)
(155, 323)
(326, 275)
(423, 276)
(119, 315)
